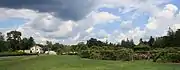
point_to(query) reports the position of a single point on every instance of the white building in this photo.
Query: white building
(51, 52)
(36, 49)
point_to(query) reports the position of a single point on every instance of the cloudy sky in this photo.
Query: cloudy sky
(72, 21)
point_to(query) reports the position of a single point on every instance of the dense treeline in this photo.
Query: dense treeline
(165, 48)
(13, 42)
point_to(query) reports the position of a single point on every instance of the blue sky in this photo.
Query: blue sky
(135, 21)
(138, 21)
(11, 22)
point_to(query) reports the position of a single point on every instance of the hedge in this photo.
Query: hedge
(122, 54)
(16, 54)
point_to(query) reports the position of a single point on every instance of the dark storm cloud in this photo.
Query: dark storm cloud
(65, 9)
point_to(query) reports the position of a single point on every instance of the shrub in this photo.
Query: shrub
(95, 54)
(84, 54)
(121, 54)
(167, 55)
(171, 57)
(107, 54)
(15, 54)
(142, 47)
(124, 54)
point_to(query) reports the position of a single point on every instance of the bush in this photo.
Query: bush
(4, 54)
(142, 47)
(84, 54)
(171, 57)
(95, 54)
(107, 54)
(169, 54)
(122, 54)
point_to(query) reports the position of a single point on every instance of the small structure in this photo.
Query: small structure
(51, 52)
(36, 49)
(27, 51)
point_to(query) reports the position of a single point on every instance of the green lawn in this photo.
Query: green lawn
(76, 63)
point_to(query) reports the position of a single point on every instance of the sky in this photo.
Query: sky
(73, 21)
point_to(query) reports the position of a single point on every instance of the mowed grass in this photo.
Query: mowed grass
(76, 63)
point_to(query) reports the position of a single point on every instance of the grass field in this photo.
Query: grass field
(76, 63)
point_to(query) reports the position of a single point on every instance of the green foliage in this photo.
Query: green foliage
(142, 47)
(171, 57)
(122, 54)
(84, 54)
(128, 43)
(167, 55)
(14, 38)
(5, 54)
(151, 41)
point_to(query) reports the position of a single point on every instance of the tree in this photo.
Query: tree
(1, 37)
(151, 41)
(31, 42)
(3, 46)
(24, 44)
(14, 38)
(159, 43)
(49, 45)
(128, 43)
(141, 41)
(123, 43)
(131, 43)
(55, 47)
(170, 32)
(82, 46)
(95, 42)
(176, 39)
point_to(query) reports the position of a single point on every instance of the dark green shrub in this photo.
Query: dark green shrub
(142, 47)
(124, 54)
(171, 57)
(95, 54)
(84, 54)
(4, 54)
(121, 54)
(107, 54)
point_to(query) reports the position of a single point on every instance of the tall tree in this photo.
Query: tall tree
(49, 45)
(177, 38)
(3, 47)
(141, 41)
(151, 41)
(131, 43)
(24, 44)
(95, 42)
(31, 42)
(1, 37)
(123, 43)
(14, 38)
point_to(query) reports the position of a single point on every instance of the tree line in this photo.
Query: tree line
(14, 41)
(166, 48)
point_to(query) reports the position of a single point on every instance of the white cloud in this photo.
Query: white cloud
(89, 29)
(103, 17)
(44, 26)
(164, 19)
